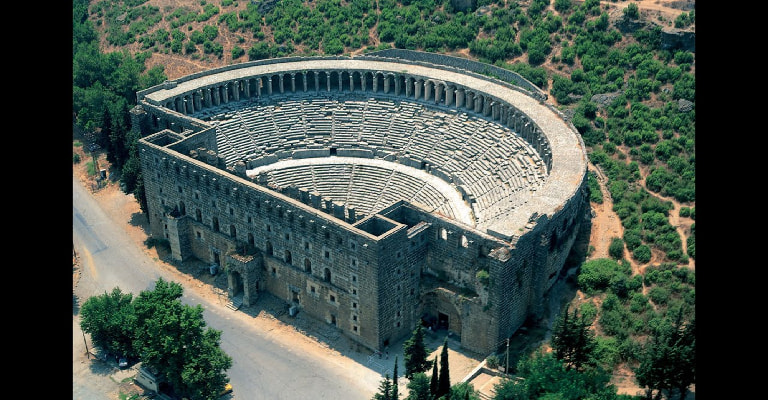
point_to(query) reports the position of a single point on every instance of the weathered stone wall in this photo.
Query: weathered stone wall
(373, 278)
(462, 63)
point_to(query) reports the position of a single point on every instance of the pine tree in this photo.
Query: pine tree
(573, 340)
(667, 362)
(433, 380)
(444, 379)
(415, 353)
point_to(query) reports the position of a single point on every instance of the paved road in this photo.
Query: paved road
(266, 365)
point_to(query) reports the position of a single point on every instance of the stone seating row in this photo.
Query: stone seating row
(454, 142)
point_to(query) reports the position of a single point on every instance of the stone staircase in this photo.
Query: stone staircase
(235, 302)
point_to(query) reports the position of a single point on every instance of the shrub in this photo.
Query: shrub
(659, 295)
(91, 167)
(642, 254)
(596, 274)
(616, 249)
(492, 361)
(483, 277)
(75, 158)
(588, 311)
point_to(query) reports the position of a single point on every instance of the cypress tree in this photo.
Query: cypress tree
(395, 395)
(444, 380)
(433, 381)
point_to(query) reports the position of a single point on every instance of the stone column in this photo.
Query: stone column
(408, 86)
(459, 97)
(207, 97)
(470, 102)
(215, 91)
(225, 92)
(196, 99)
(438, 92)
(486, 106)
(247, 88)
(449, 93)
(428, 90)
(282, 85)
(386, 83)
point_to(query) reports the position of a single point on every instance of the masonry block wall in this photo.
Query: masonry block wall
(374, 277)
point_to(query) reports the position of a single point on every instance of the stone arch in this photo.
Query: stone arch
(334, 81)
(274, 84)
(440, 312)
(346, 81)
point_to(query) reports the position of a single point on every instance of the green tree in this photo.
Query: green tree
(444, 379)
(464, 391)
(668, 359)
(418, 387)
(172, 338)
(631, 11)
(415, 353)
(385, 389)
(642, 254)
(542, 376)
(433, 381)
(573, 340)
(110, 320)
(616, 248)
(596, 275)
(395, 395)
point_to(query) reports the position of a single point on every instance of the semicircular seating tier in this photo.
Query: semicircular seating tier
(488, 160)
(501, 156)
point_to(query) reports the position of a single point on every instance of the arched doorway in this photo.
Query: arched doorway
(440, 313)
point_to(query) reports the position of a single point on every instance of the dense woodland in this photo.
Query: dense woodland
(642, 138)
